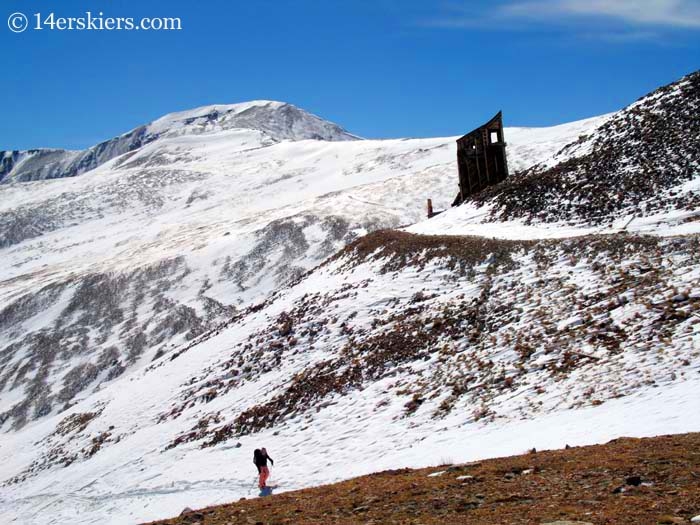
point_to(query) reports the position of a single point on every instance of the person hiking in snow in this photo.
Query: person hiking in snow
(260, 458)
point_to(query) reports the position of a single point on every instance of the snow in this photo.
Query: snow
(278, 120)
(172, 120)
(541, 145)
(215, 194)
(468, 219)
(134, 481)
(274, 121)
(356, 179)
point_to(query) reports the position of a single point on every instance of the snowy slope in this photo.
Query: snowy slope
(398, 352)
(105, 271)
(167, 306)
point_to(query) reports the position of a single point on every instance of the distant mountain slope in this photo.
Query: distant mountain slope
(104, 272)
(277, 121)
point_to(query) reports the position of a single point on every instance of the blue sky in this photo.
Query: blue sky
(380, 68)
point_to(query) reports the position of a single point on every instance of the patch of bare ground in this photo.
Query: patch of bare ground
(626, 481)
(399, 249)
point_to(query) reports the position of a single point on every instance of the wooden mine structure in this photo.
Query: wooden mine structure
(481, 158)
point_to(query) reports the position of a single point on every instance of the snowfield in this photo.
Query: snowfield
(106, 270)
(249, 275)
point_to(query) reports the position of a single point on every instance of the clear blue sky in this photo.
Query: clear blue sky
(380, 68)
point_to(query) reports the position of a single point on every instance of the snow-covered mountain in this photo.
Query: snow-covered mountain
(229, 285)
(114, 267)
(274, 121)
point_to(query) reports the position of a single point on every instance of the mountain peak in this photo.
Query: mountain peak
(202, 111)
(279, 120)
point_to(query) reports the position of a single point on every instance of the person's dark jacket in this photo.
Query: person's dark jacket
(260, 459)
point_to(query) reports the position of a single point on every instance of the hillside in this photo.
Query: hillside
(421, 346)
(641, 162)
(436, 327)
(637, 172)
(214, 291)
(642, 481)
(107, 270)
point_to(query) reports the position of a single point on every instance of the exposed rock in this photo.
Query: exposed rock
(566, 523)
(633, 480)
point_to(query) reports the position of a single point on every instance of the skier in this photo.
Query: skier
(260, 458)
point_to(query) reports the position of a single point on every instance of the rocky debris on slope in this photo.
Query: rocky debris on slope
(68, 443)
(573, 486)
(52, 364)
(633, 164)
(64, 221)
(399, 250)
(541, 315)
(108, 304)
(283, 242)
